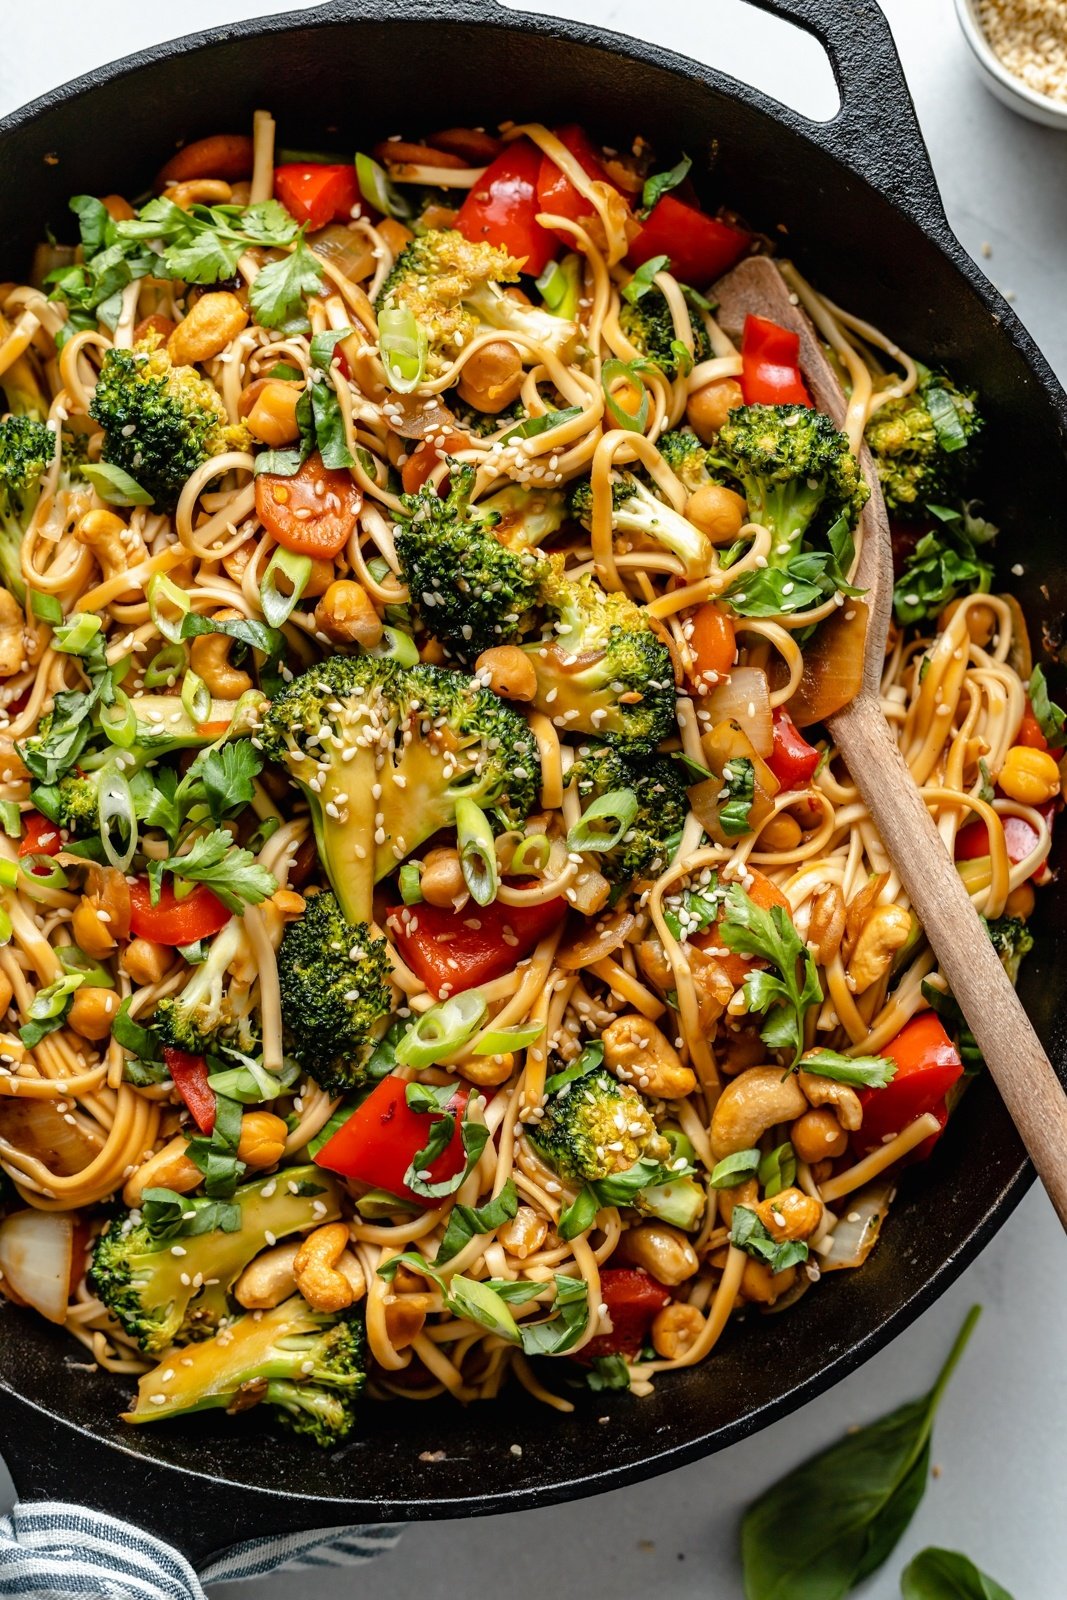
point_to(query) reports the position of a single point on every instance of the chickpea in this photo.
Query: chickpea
(13, 639)
(981, 620)
(524, 1234)
(492, 377)
(169, 1168)
(1029, 776)
(675, 1330)
(717, 511)
(742, 1194)
(262, 1141)
(488, 1072)
(322, 575)
(509, 670)
(209, 656)
(89, 924)
(210, 325)
(405, 1317)
(760, 1284)
(781, 833)
(1021, 902)
(92, 1012)
(818, 1136)
(442, 882)
(269, 411)
(663, 1251)
(792, 1214)
(145, 961)
(433, 653)
(346, 614)
(707, 409)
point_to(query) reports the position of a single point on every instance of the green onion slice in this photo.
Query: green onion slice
(403, 347)
(635, 421)
(117, 813)
(114, 485)
(376, 189)
(73, 637)
(161, 591)
(603, 824)
(477, 851)
(9, 873)
(46, 607)
(165, 667)
(11, 819)
(442, 1030)
(531, 853)
(49, 1002)
(196, 697)
(41, 872)
(278, 607)
(398, 646)
(411, 883)
(119, 720)
(501, 1040)
(93, 975)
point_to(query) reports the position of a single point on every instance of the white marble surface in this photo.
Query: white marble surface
(1000, 1441)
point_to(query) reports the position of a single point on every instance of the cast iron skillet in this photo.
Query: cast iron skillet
(865, 220)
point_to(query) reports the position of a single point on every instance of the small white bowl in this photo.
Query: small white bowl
(999, 81)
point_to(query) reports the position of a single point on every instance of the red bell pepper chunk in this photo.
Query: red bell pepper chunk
(928, 1064)
(972, 841)
(713, 640)
(502, 208)
(792, 759)
(556, 193)
(383, 1136)
(198, 915)
(700, 248)
(453, 950)
(316, 194)
(189, 1076)
(632, 1299)
(40, 837)
(1030, 732)
(770, 365)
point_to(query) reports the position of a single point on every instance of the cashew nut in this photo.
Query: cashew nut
(169, 1168)
(826, 924)
(268, 1280)
(212, 322)
(327, 1280)
(13, 640)
(884, 933)
(509, 670)
(661, 1250)
(751, 1104)
(636, 1051)
(792, 1214)
(826, 1092)
(209, 655)
(116, 547)
(346, 613)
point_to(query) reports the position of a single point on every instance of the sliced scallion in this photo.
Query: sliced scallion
(73, 637)
(604, 823)
(376, 189)
(196, 697)
(93, 975)
(41, 872)
(162, 593)
(46, 607)
(10, 818)
(278, 607)
(398, 646)
(165, 667)
(531, 853)
(116, 816)
(611, 372)
(9, 873)
(403, 346)
(442, 1030)
(477, 851)
(119, 720)
(411, 883)
(501, 1040)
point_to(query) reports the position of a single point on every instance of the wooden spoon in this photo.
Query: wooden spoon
(1022, 1072)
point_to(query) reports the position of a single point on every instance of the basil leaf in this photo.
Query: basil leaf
(467, 1297)
(661, 183)
(474, 1136)
(580, 1216)
(734, 1169)
(608, 1372)
(777, 1170)
(739, 778)
(530, 427)
(216, 1156)
(831, 1521)
(748, 1234)
(249, 631)
(430, 1099)
(1051, 718)
(944, 1004)
(132, 1036)
(641, 282)
(467, 1222)
(862, 1072)
(562, 1331)
(694, 910)
(946, 1575)
(943, 566)
(784, 995)
(588, 1061)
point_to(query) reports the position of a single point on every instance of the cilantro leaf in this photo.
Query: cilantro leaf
(226, 773)
(277, 296)
(231, 873)
(862, 1072)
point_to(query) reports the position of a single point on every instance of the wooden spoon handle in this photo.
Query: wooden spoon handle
(1022, 1072)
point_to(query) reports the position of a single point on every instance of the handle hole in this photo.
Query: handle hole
(784, 61)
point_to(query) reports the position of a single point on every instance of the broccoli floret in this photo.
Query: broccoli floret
(356, 724)
(657, 785)
(923, 443)
(335, 992)
(793, 466)
(27, 449)
(635, 509)
(686, 457)
(452, 288)
(595, 1127)
(470, 590)
(73, 804)
(196, 1017)
(525, 516)
(160, 421)
(159, 1297)
(602, 670)
(1012, 940)
(649, 327)
(309, 1367)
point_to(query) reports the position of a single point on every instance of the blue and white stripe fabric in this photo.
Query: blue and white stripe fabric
(53, 1551)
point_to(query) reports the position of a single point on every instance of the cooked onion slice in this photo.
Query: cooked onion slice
(36, 1250)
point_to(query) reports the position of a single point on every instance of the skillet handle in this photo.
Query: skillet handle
(50, 1460)
(876, 130)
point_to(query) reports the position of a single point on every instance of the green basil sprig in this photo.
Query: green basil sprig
(946, 1575)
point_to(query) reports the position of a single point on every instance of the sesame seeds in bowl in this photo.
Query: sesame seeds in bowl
(1019, 49)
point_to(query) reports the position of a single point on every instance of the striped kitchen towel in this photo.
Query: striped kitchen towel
(53, 1551)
